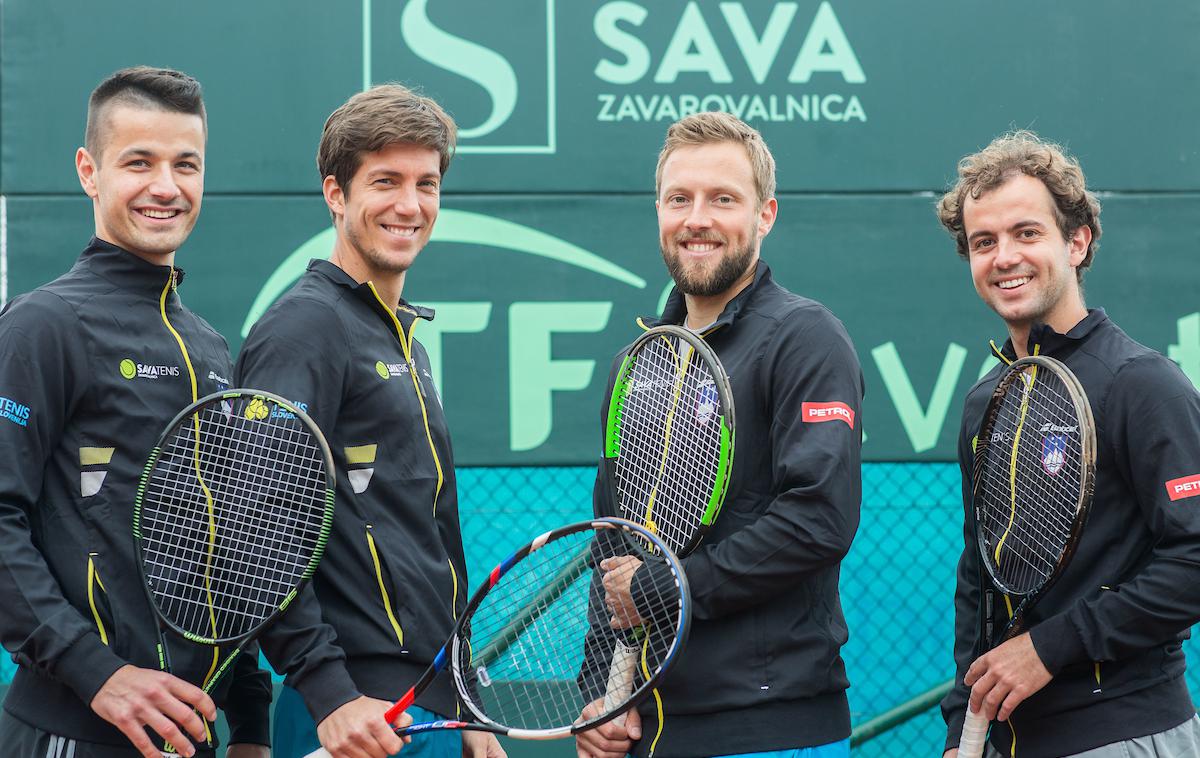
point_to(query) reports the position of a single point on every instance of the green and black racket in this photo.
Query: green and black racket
(1034, 473)
(668, 449)
(232, 515)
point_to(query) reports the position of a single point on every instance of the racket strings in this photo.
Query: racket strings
(530, 654)
(262, 482)
(670, 442)
(1029, 475)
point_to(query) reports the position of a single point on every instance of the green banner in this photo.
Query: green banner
(534, 294)
(574, 95)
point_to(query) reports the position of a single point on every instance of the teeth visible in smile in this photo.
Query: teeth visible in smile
(1013, 283)
(402, 231)
(700, 247)
(149, 213)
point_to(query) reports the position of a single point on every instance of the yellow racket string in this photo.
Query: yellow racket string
(684, 362)
(658, 703)
(1012, 463)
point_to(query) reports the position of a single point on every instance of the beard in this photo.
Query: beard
(707, 280)
(371, 255)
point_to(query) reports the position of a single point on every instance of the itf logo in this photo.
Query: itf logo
(492, 68)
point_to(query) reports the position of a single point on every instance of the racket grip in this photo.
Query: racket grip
(319, 753)
(620, 678)
(974, 734)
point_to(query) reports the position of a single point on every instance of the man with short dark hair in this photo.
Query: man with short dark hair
(92, 366)
(1100, 673)
(762, 671)
(340, 344)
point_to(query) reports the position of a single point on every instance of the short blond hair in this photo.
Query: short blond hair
(715, 126)
(1024, 153)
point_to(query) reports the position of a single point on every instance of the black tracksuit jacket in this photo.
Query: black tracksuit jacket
(762, 668)
(393, 578)
(1110, 630)
(92, 368)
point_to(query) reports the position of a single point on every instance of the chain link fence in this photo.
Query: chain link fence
(897, 582)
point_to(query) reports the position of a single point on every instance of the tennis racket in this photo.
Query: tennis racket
(1033, 478)
(530, 646)
(668, 450)
(232, 514)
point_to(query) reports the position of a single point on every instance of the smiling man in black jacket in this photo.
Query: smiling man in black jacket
(1100, 672)
(762, 670)
(92, 366)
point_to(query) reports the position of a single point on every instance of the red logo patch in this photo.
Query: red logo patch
(1188, 486)
(812, 413)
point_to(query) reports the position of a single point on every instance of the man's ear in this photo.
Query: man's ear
(86, 167)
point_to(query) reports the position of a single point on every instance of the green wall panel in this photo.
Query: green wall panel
(536, 293)
(558, 95)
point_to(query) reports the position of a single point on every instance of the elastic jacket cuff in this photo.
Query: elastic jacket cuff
(649, 583)
(325, 689)
(1057, 643)
(87, 665)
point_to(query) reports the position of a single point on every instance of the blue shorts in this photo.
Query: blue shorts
(295, 734)
(839, 749)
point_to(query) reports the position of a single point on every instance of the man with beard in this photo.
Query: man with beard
(1101, 670)
(762, 671)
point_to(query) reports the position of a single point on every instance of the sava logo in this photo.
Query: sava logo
(132, 370)
(387, 370)
(1188, 486)
(813, 413)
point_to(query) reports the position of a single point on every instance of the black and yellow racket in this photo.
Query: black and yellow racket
(232, 515)
(1033, 477)
(668, 449)
(528, 653)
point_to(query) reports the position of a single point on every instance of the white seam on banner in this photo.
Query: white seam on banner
(3, 250)
(366, 44)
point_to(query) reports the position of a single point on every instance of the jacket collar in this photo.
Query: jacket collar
(332, 272)
(675, 310)
(125, 269)
(1045, 341)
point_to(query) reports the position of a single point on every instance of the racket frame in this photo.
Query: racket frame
(975, 728)
(449, 652)
(724, 416)
(241, 640)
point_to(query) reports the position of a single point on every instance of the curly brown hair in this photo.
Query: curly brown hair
(1023, 152)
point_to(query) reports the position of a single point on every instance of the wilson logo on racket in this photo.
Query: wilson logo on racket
(1054, 452)
(1188, 486)
(813, 413)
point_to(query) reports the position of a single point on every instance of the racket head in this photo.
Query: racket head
(1034, 474)
(232, 514)
(534, 645)
(669, 436)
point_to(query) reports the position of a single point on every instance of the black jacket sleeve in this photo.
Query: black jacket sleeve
(43, 376)
(1154, 414)
(966, 604)
(280, 356)
(248, 704)
(811, 520)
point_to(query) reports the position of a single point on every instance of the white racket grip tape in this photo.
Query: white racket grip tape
(620, 678)
(319, 753)
(974, 734)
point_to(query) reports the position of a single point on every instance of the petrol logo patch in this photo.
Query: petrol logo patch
(11, 410)
(1188, 486)
(812, 413)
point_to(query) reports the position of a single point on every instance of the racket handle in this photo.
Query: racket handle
(974, 734)
(319, 753)
(620, 678)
